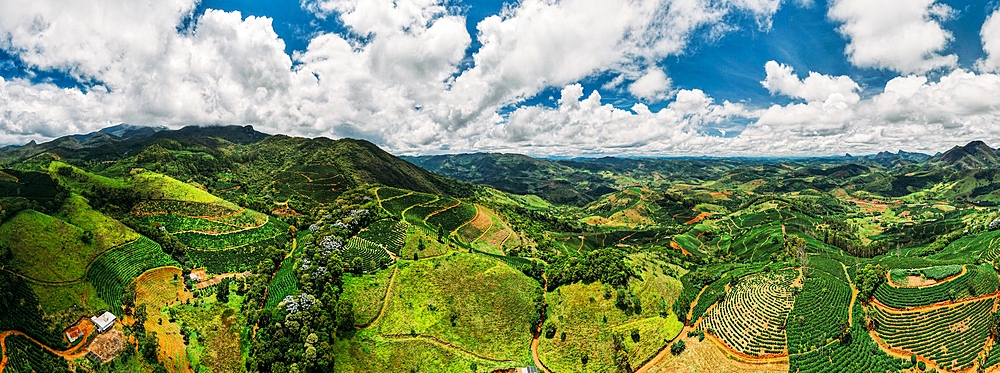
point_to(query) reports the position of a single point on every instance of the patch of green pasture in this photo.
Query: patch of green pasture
(368, 352)
(432, 248)
(59, 300)
(82, 180)
(365, 292)
(107, 232)
(470, 301)
(165, 187)
(45, 248)
(587, 314)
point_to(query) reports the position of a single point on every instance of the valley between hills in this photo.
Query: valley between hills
(224, 249)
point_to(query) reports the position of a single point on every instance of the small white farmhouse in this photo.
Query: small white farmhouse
(104, 322)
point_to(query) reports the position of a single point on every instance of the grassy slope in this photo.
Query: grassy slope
(429, 292)
(589, 319)
(107, 232)
(365, 293)
(406, 355)
(432, 247)
(41, 240)
(46, 248)
(80, 179)
(165, 187)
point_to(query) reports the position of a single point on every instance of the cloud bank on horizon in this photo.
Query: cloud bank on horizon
(542, 77)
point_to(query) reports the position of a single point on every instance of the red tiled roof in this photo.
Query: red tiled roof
(74, 332)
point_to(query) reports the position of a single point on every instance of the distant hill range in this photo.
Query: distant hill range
(191, 151)
(574, 182)
(974, 155)
(577, 181)
(124, 140)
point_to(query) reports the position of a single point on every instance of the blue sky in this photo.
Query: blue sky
(546, 78)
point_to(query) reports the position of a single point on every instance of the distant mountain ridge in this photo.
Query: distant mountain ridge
(123, 140)
(197, 153)
(974, 155)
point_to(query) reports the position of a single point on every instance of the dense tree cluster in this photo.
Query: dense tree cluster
(157, 232)
(868, 280)
(606, 265)
(298, 335)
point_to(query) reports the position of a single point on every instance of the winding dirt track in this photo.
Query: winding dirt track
(385, 301)
(71, 353)
(443, 344)
(534, 340)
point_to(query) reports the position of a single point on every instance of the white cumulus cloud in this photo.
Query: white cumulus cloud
(990, 34)
(653, 86)
(899, 35)
(403, 79)
(781, 79)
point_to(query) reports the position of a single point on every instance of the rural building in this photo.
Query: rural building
(73, 333)
(527, 370)
(104, 322)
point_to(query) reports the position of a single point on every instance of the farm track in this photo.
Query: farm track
(380, 200)
(444, 344)
(854, 297)
(934, 306)
(385, 301)
(71, 353)
(534, 340)
(734, 360)
(218, 278)
(677, 246)
(446, 208)
(660, 355)
(73, 281)
(695, 302)
(492, 223)
(744, 358)
(502, 242)
(478, 212)
(402, 214)
(267, 219)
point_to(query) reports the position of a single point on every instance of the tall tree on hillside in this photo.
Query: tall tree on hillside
(868, 279)
(222, 293)
(149, 346)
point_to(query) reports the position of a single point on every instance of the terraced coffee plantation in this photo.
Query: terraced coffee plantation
(977, 281)
(433, 213)
(112, 272)
(388, 233)
(950, 336)
(282, 284)
(318, 184)
(751, 318)
(369, 255)
(820, 314)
